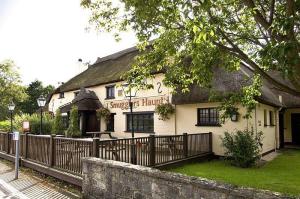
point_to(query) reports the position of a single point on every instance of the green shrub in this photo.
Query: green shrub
(58, 127)
(73, 130)
(105, 113)
(164, 111)
(5, 126)
(242, 148)
(34, 122)
(19, 119)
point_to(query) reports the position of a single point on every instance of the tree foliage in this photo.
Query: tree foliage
(192, 36)
(34, 123)
(58, 127)
(33, 91)
(73, 130)
(10, 88)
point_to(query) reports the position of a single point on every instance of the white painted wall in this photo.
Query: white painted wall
(187, 120)
(183, 121)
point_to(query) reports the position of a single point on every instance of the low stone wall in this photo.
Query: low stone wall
(110, 179)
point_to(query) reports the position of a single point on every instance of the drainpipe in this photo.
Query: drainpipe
(277, 126)
(255, 120)
(175, 115)
(277, 122)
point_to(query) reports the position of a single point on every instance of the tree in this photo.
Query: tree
(58, 123)
(10, 88)
(73, 130)
(192, 36)
(34, 90)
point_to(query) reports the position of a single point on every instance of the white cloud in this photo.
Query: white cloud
(46, 38)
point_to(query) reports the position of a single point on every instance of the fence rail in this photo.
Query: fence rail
(66, 153)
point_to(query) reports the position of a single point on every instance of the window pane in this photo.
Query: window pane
(110, 125)
(141, 122)
(271, 118)
(265, 117)
(129, 123)
(208, 116)
(214, 116)
(110, 92)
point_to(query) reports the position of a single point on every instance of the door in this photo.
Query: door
(92, 123)
(281, 130)
(295, 120)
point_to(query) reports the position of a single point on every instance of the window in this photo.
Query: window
(271, 114)
(61, 95)
(110, 92)
(110, 125)
(65, 121)
(76, 93)
(207, 117)
(142, 122)
(265, 117)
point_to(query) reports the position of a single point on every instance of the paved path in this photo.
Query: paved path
(27, 187)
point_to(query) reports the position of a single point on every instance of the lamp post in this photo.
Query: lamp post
(41, 103)
(11, 108)
(130, 93)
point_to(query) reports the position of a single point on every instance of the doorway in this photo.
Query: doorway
(295, 120)
(90, 122)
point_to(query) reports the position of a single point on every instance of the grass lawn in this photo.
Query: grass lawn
(280, 175)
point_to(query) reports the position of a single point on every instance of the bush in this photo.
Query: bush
(19, 119)
(58, 127)
(73, 130)
(164, 111)
(5, 126)
(34, 122)
(105, 113)
(242, 147)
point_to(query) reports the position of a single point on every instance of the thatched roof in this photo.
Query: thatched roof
(109, 69)
(288, 100)
(85, 100)
(225, 82)
(105, 70)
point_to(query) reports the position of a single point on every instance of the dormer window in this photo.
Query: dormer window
(61, 95)
(76, 93)
(110, 92)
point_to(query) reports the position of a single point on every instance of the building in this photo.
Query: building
(277, 114)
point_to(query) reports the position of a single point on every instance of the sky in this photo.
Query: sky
(45, 38)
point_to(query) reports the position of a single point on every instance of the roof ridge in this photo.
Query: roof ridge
(115, 55)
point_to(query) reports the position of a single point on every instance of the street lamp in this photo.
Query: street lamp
(41, 103)
(11, 108)
(129, 93)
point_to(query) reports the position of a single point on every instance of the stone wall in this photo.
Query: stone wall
(110, 179)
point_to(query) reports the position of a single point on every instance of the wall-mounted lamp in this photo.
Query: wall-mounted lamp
(234, 116)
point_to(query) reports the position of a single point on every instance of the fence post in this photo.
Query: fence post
(185, 145)
(25, 145)
(152, 150)
(210, 142)
(95, 150)
(52, 151)
(7, 143)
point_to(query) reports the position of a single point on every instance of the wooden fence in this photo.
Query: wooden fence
(66, 153)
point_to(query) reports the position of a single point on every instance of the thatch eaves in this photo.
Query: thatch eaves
(223, 83)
